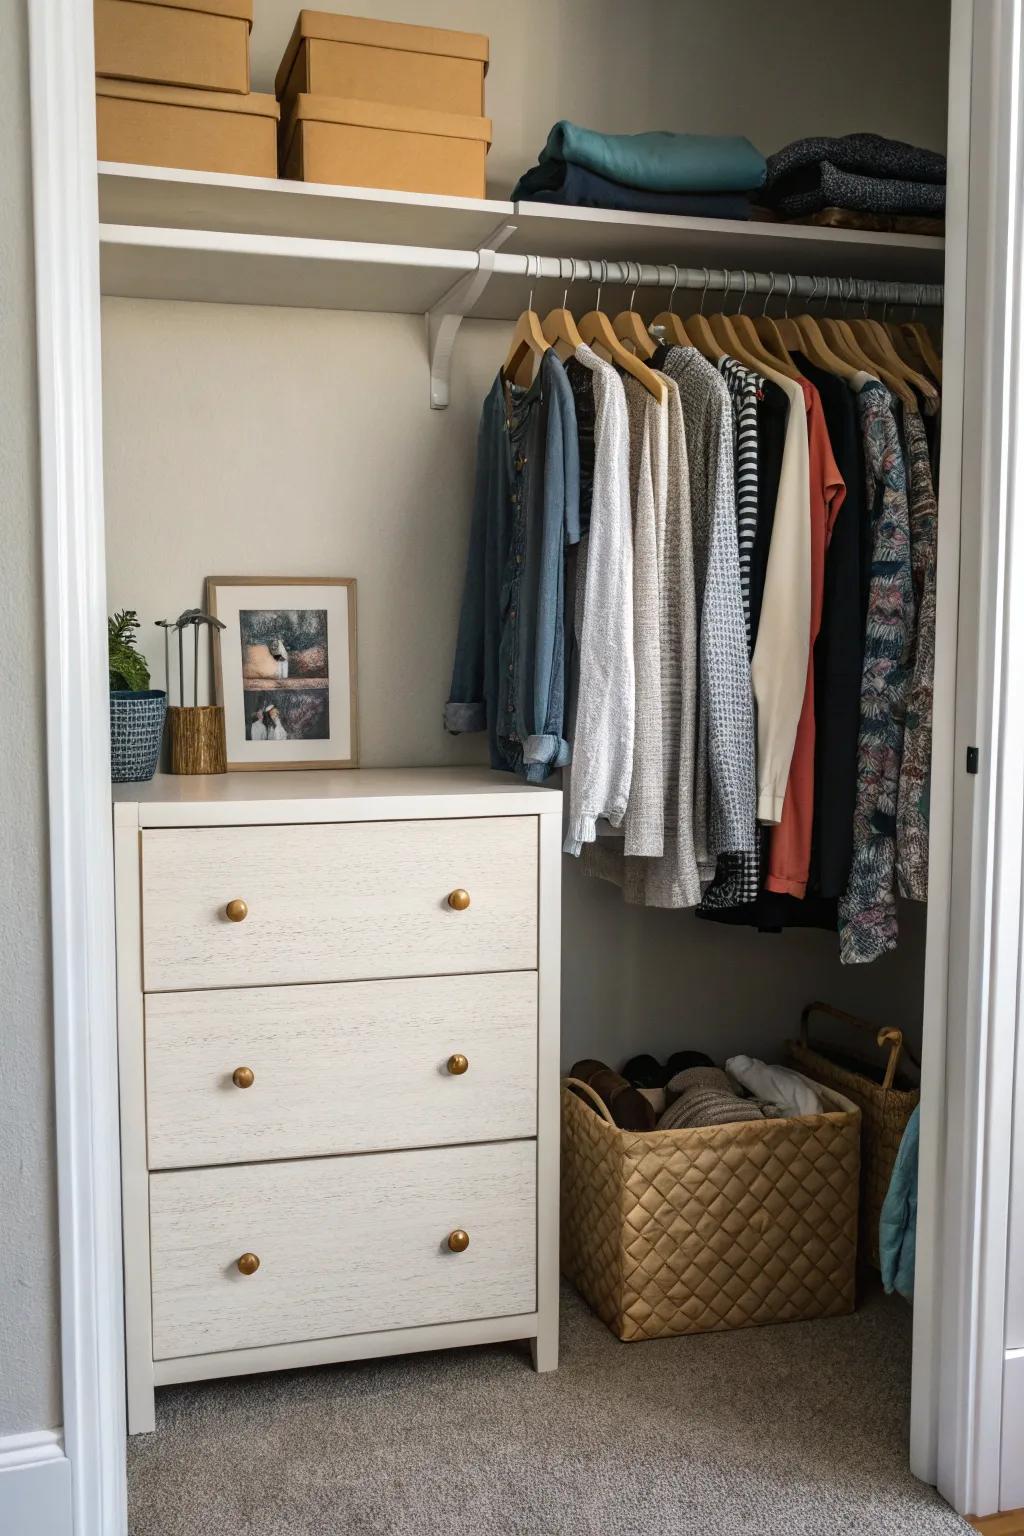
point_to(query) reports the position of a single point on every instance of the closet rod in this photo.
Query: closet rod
(783, 285)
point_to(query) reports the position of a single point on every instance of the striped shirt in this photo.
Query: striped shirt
(745, 389)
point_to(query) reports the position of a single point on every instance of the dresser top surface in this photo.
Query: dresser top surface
(357, 794)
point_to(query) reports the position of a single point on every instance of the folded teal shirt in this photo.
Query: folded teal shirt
(659, 162)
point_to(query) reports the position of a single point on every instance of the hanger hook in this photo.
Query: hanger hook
(746, 276)
(531, 274)
(629, 274)
(675, 285)
(600, 284)
(704, 290)
(771, 290)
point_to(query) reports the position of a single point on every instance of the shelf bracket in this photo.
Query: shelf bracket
(445, 317)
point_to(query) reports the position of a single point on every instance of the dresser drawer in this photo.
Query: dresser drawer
(345, 1245)
(337, 902)
(359, 1066)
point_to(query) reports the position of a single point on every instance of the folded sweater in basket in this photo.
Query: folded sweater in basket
(704, 1096)
(657, 162)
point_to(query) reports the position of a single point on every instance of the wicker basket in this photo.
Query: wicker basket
(885, 1108)
(692, 1231)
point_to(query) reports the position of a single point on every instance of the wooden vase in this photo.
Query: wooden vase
(198, 743)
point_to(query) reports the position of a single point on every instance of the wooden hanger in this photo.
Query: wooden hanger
(527, 346)
(559, 328)
(920, 340)
(814, 345)
(738, 336)
(877, 343)
(630, 328)
(596, 330)
(774, 343)
(700, 332)
(668, 322)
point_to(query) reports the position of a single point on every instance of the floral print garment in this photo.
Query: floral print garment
(867, 909)
(915, 771)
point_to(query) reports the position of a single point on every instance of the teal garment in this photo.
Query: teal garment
(897, 1228)
(658, 162)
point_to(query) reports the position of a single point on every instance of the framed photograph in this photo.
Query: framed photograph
(285, 669)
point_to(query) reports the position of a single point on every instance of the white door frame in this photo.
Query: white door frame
(975, 897)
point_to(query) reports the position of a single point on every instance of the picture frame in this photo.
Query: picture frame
(285, 670)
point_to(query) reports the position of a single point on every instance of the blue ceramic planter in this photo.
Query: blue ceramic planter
(136, 734)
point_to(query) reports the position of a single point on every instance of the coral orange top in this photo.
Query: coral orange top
(789, 858)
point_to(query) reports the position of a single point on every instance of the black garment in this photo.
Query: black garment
(839, 649)
(581, 379)
(772, 416)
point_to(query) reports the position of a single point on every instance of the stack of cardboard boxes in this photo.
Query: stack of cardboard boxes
(172, 87)
(382, 104)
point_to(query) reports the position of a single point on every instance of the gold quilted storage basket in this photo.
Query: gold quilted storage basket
(885, 1108)
(692, 1231)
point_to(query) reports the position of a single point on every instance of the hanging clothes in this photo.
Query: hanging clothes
(725, 774)
(868, 924)
(670, 879)
(745, 389)
(779, 667)
(509, 671)
(915, 768)
(789, 858)
(602, 768)
(839, 652)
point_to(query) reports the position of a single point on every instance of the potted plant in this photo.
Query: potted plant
(136, 710)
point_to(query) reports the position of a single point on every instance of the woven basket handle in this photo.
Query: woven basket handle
(595, 1098)
(887, 1036)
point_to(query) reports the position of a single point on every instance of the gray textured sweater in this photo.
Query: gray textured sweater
(725, 793)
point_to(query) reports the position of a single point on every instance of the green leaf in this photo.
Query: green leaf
(128, 669)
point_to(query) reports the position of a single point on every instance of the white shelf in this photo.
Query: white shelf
(542, 229)
(136, 196)
(212, 267)
(256, 205)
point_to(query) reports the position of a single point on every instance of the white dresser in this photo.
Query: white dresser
(338, 1003)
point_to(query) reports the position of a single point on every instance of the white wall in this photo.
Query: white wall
(29, 1339)
(271, 441)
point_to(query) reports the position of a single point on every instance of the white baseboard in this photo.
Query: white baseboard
(35, 1485)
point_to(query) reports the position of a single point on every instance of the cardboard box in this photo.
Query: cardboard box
(368, 144)
(387, 61)
(199, 44)
(193, 130)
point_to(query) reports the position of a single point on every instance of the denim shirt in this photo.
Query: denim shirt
(509, 673)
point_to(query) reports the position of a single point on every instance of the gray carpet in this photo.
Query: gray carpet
(773, 1431)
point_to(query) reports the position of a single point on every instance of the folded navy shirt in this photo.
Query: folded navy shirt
(559, 181)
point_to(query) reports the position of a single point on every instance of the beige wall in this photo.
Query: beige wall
(29, 1337)
(292, 442)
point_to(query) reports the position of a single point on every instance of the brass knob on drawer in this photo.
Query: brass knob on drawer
(457, 1064)
(458, 1241)
(236, 911)
(243, 1077)
(249, 1263)
(458, 900)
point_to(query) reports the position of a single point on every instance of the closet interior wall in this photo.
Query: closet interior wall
(298, 442)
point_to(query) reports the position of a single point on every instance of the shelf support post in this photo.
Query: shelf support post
(445, 317)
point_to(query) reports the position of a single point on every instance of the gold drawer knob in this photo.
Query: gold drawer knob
(457, 1064)
(243, 1077)
(459, 900)
(236, 911)
(458, 1241)
(249, 1263)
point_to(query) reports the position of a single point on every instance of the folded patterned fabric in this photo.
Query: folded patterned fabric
(706, 1098)
(560, 181)
(656, 162)
(861, 171)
